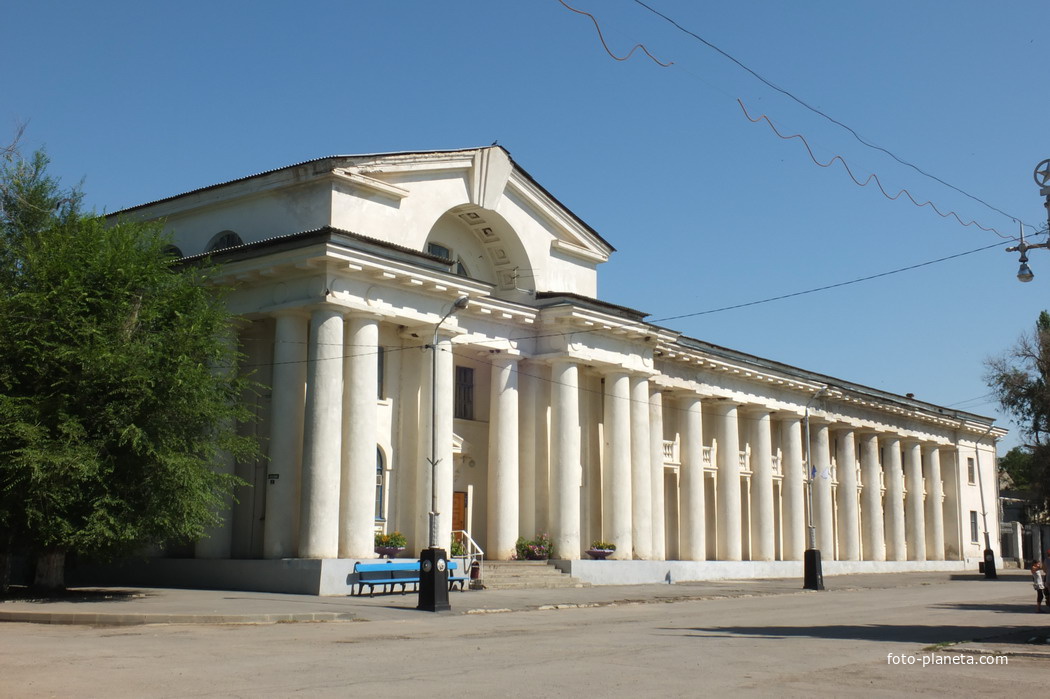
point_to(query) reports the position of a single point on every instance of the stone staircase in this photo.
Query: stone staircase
(526, 575)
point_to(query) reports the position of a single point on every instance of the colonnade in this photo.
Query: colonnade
(876, 496)
(879, 498)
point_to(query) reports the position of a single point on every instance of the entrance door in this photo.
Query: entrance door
(459, 510)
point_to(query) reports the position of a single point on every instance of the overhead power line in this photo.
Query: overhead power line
(803, 103)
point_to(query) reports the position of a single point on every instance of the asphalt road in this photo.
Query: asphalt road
(835, 642)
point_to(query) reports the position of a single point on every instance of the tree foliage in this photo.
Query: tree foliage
(1021, 382)
(114, 405)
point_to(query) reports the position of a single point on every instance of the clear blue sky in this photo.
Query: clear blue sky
(145, 100)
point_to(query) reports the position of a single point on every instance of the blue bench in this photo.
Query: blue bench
(391, 573)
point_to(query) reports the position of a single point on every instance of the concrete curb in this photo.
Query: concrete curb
(90, 619)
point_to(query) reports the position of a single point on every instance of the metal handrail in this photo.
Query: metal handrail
(473, 553)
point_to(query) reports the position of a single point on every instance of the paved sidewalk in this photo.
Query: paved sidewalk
(130, 606)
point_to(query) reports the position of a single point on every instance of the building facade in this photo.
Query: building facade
(552, 410)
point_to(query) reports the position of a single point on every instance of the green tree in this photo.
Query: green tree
(115, 405)
(1021, 382)
(1016, 466)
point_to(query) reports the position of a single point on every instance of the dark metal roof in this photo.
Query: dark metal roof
(806, 375)
(588, 302)
(326, 233)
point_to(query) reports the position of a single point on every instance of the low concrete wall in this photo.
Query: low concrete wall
(302, 576)
(641, 572)
(328, 576)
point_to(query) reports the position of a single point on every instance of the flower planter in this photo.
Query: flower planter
(389, 551)
(600, 554)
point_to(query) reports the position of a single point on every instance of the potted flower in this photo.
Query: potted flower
(538, 549)
(390, 545)
(600, 550)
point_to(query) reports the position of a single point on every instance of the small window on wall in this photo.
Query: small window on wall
(973, 526)
(224, 239)
(438, 250)
(971, 471)
(381, 359)
(380, 486)
(464, 408)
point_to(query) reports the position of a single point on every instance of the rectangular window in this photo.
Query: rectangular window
(439, 251)
(464, 408)
(971, 471)
(973, 526)
(381, 359)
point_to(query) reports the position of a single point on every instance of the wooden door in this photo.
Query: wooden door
(459, 510)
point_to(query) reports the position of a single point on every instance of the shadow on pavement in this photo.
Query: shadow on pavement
(875, 632)
(18, 593)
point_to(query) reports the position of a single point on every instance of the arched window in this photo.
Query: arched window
(380, 487)
(224, 239)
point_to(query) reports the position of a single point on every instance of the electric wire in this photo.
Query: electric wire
(601, 37)
(823, 114)
(870, 178)
(721, 309)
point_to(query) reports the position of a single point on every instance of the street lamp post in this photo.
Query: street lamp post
(433, 560)
(1042, 179)
(813, 578)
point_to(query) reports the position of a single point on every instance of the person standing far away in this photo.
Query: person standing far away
(1039, 583)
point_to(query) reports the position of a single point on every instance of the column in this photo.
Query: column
(872, 528)
(218, 539)
(794, 479)
(360, 429)
(914, 518)
(762, 545)
(503, 459)
(641, 471)
(443, 395)
(934, 505)
(849, 517)
(280, 529)
(412, 481)
(821, 484)
(893, 473)
(692, 516)
(527, 449)
(728, 486)
(617, 467)
(565, 459)
(656, 461)
(319, 503)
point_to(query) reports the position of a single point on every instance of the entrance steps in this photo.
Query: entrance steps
(526, 575)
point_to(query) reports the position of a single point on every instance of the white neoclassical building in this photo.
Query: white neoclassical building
(555, 411)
